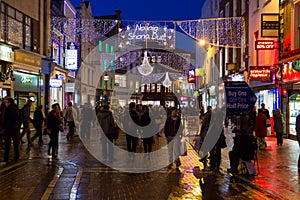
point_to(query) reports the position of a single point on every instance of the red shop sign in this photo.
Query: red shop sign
(260, 73)
(264, 44)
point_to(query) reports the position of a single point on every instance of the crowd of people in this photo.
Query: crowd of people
(15, 124)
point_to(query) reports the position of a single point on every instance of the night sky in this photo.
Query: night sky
(147, 10)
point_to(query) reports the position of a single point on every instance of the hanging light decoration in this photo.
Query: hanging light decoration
(145, 68)
(167, 82)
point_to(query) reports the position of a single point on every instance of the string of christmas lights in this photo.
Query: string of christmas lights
(227, 32)
(87, 28)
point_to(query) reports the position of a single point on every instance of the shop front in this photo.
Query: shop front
(289, 77)
(6, 59)
(26, 86)
(262, 82)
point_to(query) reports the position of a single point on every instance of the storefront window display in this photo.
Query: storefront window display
(294, 105)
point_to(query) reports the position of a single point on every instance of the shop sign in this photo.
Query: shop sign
(260, 73)
(26, 82)
(191, 76)
(270, 25)
(264, 44)
(296, 65)
(239, 97)
(60, 76)
(55, 83)
(6, 53)
(70, 87)
(27, 59)
(71, 56)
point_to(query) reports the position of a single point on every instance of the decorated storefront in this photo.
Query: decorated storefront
(26, 86)
(6, 59)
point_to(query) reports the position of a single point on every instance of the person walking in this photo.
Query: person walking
(54, 125)
(147, 140)
(107, 123)
(172, 132)
(38, 120)
(11, 129)
(278, 126)
(70, 116)
(130, 125)
(204, 129)
(261, 128)
(26, 120)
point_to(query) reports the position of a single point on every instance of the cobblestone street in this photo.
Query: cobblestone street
(76, 174)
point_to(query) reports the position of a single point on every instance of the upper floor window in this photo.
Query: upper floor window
(120, 80)
(16, 27)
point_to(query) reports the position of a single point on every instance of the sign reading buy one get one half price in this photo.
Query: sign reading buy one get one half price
(239, 97)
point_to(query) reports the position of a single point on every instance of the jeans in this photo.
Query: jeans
(107, 146)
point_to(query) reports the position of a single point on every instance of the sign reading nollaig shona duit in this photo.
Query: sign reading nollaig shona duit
(154, 32)
(239, 97)
(260, 73)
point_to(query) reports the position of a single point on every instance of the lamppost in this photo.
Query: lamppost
(106, 79)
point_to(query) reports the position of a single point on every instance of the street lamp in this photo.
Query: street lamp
(106, 79)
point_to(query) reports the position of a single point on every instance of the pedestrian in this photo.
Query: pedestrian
(278, 126)
(11, 128)
(265, 111)
(130, 123)
(147, 139)
(54, 125)
(173, 132)
(244, 148)
(87, 117)
(26, 120)
(261, 128)
(107, 123)
(38, 120)
(252, 119)
(204, 129)
(70, 116)
(298, 128)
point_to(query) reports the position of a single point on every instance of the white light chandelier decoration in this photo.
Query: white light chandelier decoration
(145, 68)
(167, 82)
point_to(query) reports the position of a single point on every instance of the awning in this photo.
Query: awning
(288, 59)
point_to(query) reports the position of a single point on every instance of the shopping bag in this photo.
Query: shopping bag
(183, 148)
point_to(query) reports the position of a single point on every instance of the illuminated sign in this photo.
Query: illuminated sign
(70, 87)
(260, 73)
(270, 25)
(71, 56)
(264, 45)
(296, 65)
(55, 83)
(6, 54)
(60, 76)
(150, 31)
(192, 76)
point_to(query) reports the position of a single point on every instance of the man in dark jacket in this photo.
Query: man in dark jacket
(26, 120)
(130, 125)
(107, 124)
(11, 128)
(173, 132)
(38, 121)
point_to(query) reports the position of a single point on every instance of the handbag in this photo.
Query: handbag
(116, 132)
(268, 124)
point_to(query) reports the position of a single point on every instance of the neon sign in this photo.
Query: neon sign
(191, 76)
(260, 73)
(264, 45)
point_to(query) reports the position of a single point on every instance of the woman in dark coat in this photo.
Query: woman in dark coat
(261, 128)
(54, 125)
(278, 126)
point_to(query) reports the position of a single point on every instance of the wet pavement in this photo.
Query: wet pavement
(76, 174)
